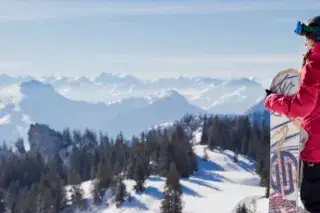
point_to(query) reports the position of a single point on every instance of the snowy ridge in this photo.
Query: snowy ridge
(165, 94)
(235, 95)
(217, 180)
(35, 101)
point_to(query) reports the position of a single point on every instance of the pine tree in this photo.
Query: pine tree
(267, 192)
(165, 155)
(205, 131)
(205, 156)
(235, 158)
(242, 209)
(30, 199)
(20, 146)
(172, 202)
(77, 195)
(182, 152)
(214, 137)
(120, 192)
(2, 203)
(103, 181)
(12, 196)
(97, 192)
(140, 175)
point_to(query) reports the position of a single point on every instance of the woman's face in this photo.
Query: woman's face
(309, 43)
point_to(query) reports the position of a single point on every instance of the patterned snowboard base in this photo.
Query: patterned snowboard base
(287, 138)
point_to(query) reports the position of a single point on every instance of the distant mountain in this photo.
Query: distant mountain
(112, 102)
(6, 79)
(34, 101)
(167, 106)
(233, 96)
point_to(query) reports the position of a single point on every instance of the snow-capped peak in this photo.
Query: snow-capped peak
(165, 94)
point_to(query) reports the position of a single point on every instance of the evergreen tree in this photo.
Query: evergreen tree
(172, 202)
(267, 192)
(183, 155)
(2, 203)
(31, 199)
(235, 158)
(165, 155)
(205, 132)
(12, 197)
(139, 164)
(103, 181)
(205, 156)
(139, 175)
(20, 146)
(66, 138)
(120, 192)
(242, 209)
(97, 192)
(77, 193)
(214, 137)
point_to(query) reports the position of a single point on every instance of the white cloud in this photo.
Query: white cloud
(17, 10)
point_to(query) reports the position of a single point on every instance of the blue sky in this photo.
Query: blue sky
(152, 39)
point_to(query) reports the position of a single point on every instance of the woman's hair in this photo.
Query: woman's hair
(313, 22)
(305, 57)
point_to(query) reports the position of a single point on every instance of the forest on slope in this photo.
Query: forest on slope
(34, 180)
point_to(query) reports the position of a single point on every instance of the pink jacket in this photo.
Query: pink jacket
(305, 104)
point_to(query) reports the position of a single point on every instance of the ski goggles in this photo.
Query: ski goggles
(302, 29)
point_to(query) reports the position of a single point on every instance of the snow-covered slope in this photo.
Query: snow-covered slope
(218, 186)
(34, 101)
(230, 97)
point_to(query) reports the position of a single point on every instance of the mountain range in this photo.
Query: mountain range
(113, 103)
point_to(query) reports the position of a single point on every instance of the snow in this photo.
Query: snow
(10, 94)
(163, 94)
(5, 119)
(218, 186)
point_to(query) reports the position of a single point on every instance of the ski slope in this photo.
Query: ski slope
(218, 186)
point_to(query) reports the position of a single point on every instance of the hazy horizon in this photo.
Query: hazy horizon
(152, 40)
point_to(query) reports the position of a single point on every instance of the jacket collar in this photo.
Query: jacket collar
(315, 53)
(316, 48)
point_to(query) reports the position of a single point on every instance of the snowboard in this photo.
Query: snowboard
(286, 141)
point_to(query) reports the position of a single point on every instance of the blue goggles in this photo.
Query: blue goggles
(302, 29)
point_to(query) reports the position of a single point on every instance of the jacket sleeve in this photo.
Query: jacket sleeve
(300, 104)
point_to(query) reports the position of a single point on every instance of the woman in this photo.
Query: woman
(306, 105)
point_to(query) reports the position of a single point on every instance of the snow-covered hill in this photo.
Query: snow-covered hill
(219, 186)
(34, 101)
